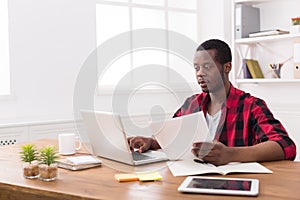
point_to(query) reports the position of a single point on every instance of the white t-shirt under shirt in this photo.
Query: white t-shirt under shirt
(213, 122)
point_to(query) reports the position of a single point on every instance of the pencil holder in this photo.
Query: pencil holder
(276, 69)
(277, 72)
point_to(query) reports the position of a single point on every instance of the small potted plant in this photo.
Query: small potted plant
(296, 20)
(29, 157)
(48, 165)
(295, 28)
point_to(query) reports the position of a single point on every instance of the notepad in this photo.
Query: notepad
(126, 177)
(149, 176)
(141, 176)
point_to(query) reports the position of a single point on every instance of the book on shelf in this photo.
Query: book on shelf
(254, 68)
(268, 33)
(246, 71)
(189, 167)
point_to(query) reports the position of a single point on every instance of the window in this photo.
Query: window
(4, 51)
(114, 17)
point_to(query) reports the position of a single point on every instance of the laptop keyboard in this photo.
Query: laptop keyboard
(137, 156)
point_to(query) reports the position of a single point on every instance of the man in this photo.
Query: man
(245, 129)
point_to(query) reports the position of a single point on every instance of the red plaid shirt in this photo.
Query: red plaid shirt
(245, 121)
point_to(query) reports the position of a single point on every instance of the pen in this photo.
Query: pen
(199, 161)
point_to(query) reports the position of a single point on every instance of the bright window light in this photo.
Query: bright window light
(4, 50)
(116, 17)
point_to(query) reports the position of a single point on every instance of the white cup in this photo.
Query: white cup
(67, 143)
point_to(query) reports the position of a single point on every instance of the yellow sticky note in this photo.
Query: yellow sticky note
(126, 177)
(149, 176)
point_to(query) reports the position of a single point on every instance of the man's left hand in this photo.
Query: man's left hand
(215, 153)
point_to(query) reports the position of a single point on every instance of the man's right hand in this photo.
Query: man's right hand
(142, 143)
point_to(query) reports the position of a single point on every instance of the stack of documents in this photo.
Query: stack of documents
(269, 32)
(78, 162)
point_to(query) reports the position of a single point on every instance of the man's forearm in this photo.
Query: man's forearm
(266, 151)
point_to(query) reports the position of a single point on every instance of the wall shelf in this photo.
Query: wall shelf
(270, 38)
(270, 48)
(252, 2)
(268, 80)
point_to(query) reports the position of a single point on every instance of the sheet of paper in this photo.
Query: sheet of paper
(189, 167)
(250, 167)
(177, 135)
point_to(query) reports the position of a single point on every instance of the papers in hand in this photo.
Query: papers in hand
(190, 167)
(177, 135)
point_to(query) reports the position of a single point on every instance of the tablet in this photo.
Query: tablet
(216, 185)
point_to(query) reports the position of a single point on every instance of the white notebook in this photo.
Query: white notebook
(82, 160)
(190, 167)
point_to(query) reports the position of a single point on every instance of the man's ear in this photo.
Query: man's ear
(227, 67)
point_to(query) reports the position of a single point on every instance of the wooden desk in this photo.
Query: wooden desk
(99, 183)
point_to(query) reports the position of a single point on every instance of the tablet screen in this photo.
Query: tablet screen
(217, 185)
(220, 184)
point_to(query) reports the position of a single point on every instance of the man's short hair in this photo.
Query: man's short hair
(223, 50)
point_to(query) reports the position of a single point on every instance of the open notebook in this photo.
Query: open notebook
(190, 167)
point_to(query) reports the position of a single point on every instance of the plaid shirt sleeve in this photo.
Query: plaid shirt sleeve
(267, 128)
(249, 122)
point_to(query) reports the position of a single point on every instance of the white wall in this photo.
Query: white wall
(49, 41)
(215, 19)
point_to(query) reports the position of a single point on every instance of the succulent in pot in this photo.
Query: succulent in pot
(29, 155)
(48, 166)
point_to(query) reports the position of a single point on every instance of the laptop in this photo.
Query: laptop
(108, 139)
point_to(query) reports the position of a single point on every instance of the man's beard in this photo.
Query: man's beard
(206, 91)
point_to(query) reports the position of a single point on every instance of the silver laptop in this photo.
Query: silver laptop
(108, 139)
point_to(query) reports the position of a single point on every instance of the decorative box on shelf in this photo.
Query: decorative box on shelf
(295, 29)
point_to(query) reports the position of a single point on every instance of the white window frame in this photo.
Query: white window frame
(4, 57)
(130, 5)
